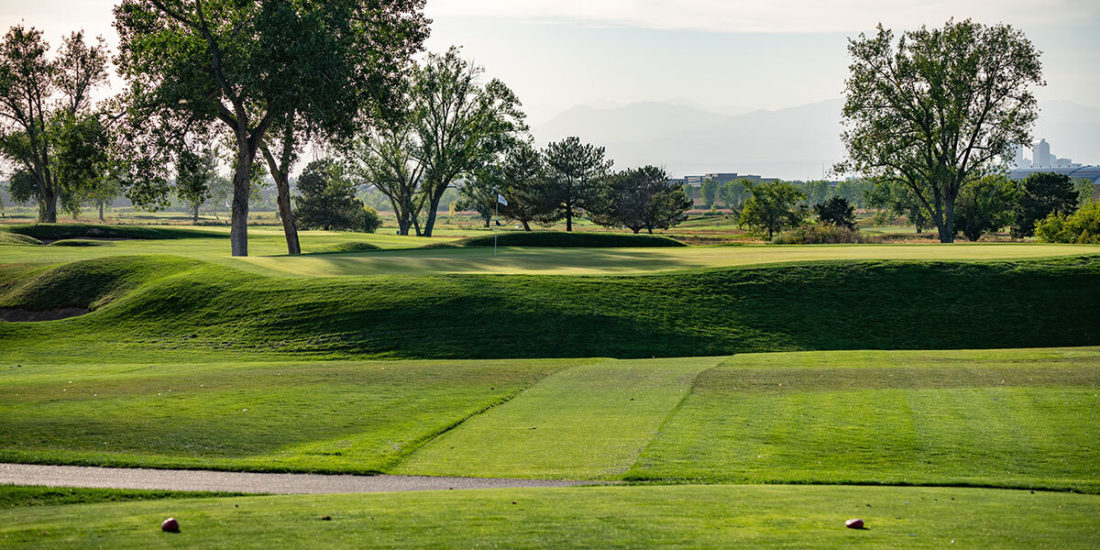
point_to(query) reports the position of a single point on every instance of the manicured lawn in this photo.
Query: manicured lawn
(21, 496)
(587, 422)
(321, 416)
(1011, 418)
(170, 309)
(597, 517)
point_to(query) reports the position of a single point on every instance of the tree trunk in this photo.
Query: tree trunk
(47, 211)
(947, 232)
(650, 229)
(486, 223)
(195, 216)
(526, 226)
(429, 224)
(568, 218)
(242, 183)
(290, 229)
(101, 219)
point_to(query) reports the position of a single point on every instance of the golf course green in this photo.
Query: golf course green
(737, 395)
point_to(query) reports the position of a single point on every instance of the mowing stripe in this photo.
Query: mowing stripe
(584, 422)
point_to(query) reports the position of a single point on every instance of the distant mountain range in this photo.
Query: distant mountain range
(796, 143)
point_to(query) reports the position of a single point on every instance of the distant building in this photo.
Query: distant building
(1091, 173)
(720, 177)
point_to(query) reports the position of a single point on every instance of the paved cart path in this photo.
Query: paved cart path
(244, 482)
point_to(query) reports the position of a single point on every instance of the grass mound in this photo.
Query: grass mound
(354, 246)
(172, 307)
(59, 231)
(7, 237)
(568, 239)
(80, 242)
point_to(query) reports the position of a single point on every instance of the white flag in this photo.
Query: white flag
(501, 199)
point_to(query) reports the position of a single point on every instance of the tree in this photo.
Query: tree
(734, 193)
(46, 113)
(937, 108)
(575, 170)
(772, 207)
(836, 211)
(986, 206)
(385, 158)
(817, 191)
(1081, 227)
(194, 174)
(479, 193)
(900, 200)
(1085, 189)
(247, 67)
(1041, 194)
(460, 124)
(640, 198)
(328, 200)
(530, 197)
(709, 192)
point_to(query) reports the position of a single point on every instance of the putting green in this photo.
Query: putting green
(586, 422)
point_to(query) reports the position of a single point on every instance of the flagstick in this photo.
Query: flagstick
(496, 214)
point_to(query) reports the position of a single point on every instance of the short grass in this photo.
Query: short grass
(171, 309)
(324, 417)
(1012, 418)
(562, 239)
(21, 496)
(595, 517)
(586, 422)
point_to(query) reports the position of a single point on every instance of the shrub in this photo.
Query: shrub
(1081, 227)
(371, 220)
(820, 233)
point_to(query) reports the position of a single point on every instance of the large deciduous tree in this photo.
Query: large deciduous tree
(575, 169)
(531, 198)
(385, 158)
(195, 172)
(773, 207)
(460, 124)
(934, 109)
(249, 66)
(48, 127)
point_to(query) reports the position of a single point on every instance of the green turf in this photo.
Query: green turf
(599, 517)
(327, 417)
(1010, 418)
(171, 309)
(586, 422)
(21, 496)
(563, 239)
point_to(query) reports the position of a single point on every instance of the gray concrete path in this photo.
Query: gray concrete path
(243, 482)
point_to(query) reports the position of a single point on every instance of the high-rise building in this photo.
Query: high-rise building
(1020, 161)
(1040, 156)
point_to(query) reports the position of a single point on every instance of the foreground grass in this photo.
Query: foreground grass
(326, 417)
(168, 308)
(586, 422)
(22, 496)
(1010, 418)
(598, 517)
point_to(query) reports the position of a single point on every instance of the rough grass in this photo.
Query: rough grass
(172, 308)
(320, 417)
(567, 239)
(21, 496)
(59, 231)
(1008, 418)
(595, 517)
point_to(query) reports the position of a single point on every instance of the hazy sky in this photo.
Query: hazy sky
(723, 54)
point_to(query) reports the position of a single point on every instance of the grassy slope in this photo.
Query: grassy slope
(600, 517)
(568, 240)
(1015, 418)
(582, 423)
(329, 417)
(178, 308)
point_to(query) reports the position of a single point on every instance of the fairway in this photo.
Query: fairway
(586, 422)
(597, 517)
(1027, 418)
(322, 417)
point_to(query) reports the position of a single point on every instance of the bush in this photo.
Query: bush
(371, 220)
(821, 233)
(1082, 227)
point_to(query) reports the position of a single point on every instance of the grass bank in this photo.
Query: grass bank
(170, 308)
